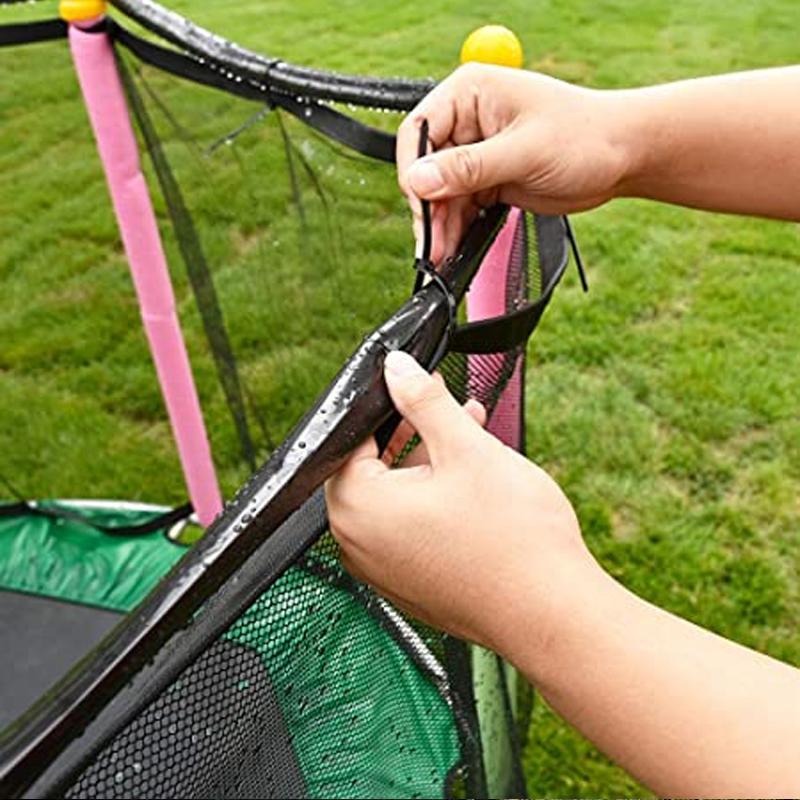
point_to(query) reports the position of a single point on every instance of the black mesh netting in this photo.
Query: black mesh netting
(321, 688)
(318, 690)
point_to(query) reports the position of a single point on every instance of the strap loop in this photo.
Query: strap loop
(423, 265)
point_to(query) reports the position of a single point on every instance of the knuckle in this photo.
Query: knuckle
(421, 394)
(339, 495)
(341, 526)
(410, 126)
(334, 506)
(471, 71)
(468, 166)
(468, 452)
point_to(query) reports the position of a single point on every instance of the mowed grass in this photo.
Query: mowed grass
(666, 402)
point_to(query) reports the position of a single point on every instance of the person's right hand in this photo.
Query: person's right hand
(512, 136)
(465, 529)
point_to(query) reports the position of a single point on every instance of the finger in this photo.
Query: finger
(418, 457)
(438, 108)
(416, 205)
(367, 450)
(451, 117)
(350, 564)
(477, 411)
(440, 217)
(463, 170)
(451, 111)
(461, 211)
(427, 405)
(403, 435)
(363, 464)
(398, 442)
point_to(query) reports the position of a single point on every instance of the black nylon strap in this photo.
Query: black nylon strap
(185, 66)
(32, 32)
(498, 334)
(351, 133)
(164, 520)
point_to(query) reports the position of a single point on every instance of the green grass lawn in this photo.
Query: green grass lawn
(666, 402)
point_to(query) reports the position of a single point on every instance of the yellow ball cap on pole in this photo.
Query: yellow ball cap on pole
(81, 10)
(493, 44)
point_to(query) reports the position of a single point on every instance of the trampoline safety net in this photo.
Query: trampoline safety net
(313, 686)
(322, 689)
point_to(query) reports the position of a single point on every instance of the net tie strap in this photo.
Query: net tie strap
(423, 264)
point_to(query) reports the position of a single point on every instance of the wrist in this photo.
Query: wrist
(556, 617)
(634, 137)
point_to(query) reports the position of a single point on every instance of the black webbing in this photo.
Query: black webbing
(498, 334)
(458, 663)
(160, 521)
(183, 66)
(350, 132)
(32, 32)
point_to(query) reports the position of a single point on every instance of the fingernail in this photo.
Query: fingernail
(399, 364)
(425, 176)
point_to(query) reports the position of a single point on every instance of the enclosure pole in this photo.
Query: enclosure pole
(104, 96)
(487, 298)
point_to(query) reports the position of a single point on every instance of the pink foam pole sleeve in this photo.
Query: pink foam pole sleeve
(487, 298)
(105, 102)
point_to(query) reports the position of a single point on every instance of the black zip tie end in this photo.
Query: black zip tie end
(576, 253)
(423, 264)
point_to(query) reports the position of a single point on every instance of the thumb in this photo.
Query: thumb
(462, 170)
(429, 408)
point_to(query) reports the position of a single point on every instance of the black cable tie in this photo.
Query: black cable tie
(425, 268)
(573, 243)
(423, 265)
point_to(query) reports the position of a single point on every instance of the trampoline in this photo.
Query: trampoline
(222, 651)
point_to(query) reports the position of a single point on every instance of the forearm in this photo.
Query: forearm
(685, 711)
(726, 143)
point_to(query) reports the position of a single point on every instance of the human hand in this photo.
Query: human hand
(506, 135)
(469, 534)
(475, 539)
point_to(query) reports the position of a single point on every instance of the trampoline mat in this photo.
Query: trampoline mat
(42, 638)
